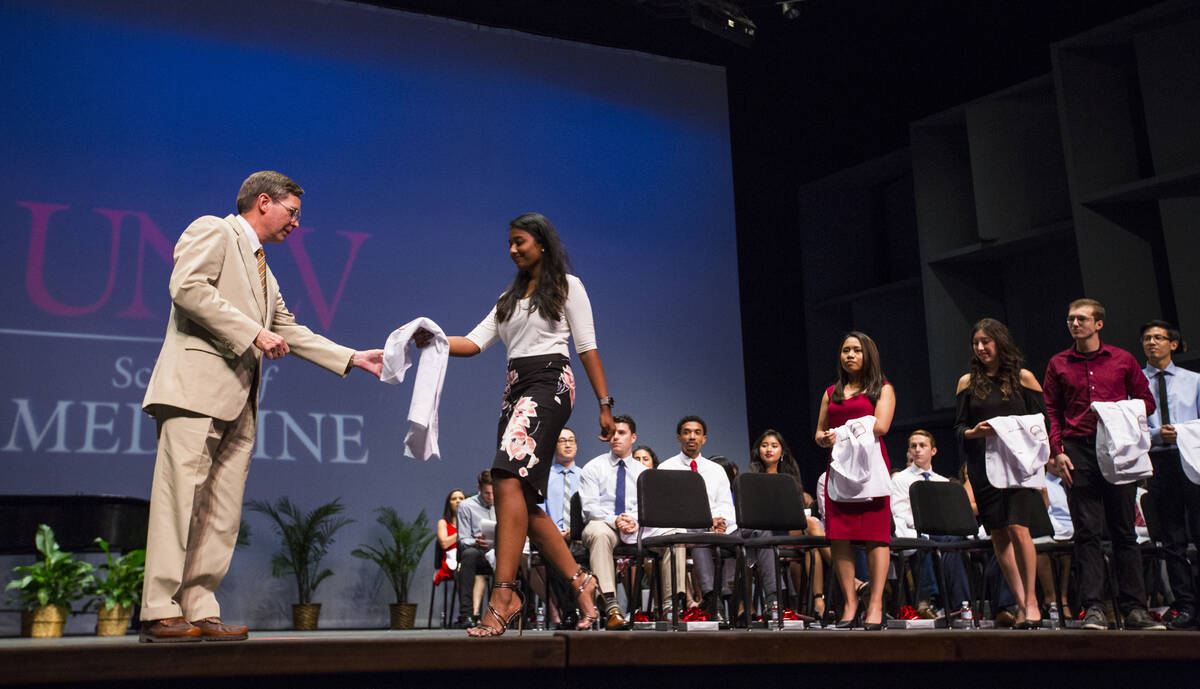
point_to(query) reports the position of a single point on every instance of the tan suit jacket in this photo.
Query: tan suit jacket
(208, 363)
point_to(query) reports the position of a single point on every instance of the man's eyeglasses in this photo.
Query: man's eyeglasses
(1155, 338)
(1081, 319)
(566, 441)
(295, 212)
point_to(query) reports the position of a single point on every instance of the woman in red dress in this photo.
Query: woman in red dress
(861, 390)
(447, 538)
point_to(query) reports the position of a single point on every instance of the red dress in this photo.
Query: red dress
(856, 521)
(444, 572)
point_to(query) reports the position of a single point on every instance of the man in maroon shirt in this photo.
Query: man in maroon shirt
(1091, 371)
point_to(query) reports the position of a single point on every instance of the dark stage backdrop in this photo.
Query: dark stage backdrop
(416, 139)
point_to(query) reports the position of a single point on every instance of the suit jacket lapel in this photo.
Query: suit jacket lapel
(250, 263)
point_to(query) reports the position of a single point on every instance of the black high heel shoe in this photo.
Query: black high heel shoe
(592, 621)
(482, 630)
(851, 623)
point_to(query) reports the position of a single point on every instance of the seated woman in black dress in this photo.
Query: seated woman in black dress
(998, 386)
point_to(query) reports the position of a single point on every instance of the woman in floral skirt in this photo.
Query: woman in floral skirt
(534, 317)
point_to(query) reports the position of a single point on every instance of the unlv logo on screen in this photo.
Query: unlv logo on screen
(42, 249)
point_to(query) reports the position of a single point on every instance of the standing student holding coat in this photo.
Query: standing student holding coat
(542, 308)
(861, 390)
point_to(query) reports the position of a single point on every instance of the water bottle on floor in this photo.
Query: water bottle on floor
(966, 616)
(540, 620)
(1055, 621)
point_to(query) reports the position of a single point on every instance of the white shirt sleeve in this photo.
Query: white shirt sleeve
(485, 334)
(591, 492)
(579, 316)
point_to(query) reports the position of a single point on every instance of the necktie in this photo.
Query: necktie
(694, 467)
(925, 474)
(1164, 413)
(619, 500)
(566, 501)
(262, 270)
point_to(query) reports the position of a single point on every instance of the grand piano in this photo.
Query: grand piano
(76, 520)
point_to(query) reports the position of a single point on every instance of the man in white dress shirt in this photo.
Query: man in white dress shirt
(692, 433)
(921, 450)
(608, 490)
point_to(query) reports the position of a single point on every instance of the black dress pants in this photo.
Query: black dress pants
(471, 561)
(1177, 507)
(1096, 503)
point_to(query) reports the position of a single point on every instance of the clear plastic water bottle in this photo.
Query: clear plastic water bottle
(774, 614)
(966, 616)
(540, 620)
(1055, 620)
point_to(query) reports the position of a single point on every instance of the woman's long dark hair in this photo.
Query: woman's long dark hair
(448, 514)
(448, 510)
(787, 462)
(550, 294)
(871, 379)
(1008, 355)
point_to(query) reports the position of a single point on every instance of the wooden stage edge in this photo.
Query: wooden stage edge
(78, 660)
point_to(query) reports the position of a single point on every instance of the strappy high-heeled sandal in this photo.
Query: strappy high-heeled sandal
(586, 621)
(483, 630)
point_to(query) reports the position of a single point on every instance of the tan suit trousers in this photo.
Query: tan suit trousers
(195, 510)
(601, 538)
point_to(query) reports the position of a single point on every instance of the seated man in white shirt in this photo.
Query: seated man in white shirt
(921, 450)
(608, 491)
(692, 433)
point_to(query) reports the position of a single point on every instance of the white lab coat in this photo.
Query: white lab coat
(857, 472)
(1016, 456)
(421, 442)
(1122, 441)
(1188, 442)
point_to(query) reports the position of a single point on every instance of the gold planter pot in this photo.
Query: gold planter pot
(46, 622)
(114, 622)
(404, 615)
(305, 616)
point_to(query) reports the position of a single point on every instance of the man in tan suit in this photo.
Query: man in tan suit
(226, 314)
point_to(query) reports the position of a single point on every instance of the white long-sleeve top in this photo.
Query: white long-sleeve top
(716, 483)
(532, 334)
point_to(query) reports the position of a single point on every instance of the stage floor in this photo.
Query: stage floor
(366, 658)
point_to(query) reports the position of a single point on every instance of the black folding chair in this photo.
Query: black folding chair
(676, 500)
(449, 592)
(942, 508)
(770, 502)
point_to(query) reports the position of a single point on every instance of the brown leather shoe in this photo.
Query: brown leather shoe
(214, 629)
(168, 630)
(616, 621)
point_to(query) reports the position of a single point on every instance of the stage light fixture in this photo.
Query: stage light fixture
(790, 10)
(725, 19)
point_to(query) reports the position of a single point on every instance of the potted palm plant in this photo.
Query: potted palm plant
(119, 592)
(306, 538)
(399, 559)
(47, 588)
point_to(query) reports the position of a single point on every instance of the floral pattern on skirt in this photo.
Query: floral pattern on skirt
(538, 398)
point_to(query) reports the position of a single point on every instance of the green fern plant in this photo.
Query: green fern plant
(400, 558)
(306, 538)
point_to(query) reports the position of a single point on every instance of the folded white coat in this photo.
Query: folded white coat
(1188, 441)
(421, 442)
(1016, 455)
(857, 472)
(1122, 441)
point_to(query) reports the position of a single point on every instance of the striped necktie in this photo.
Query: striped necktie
(566, 501)
(262, 270)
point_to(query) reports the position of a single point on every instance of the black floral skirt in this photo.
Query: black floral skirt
(537, 404)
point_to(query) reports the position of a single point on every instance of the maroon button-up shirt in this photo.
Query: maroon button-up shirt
(1073, 381)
